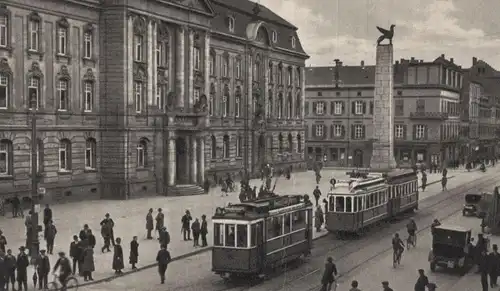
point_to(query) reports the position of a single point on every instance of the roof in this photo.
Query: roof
(453, 228)
(348, 75)
(243, 13)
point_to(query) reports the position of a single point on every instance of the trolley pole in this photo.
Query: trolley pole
(35, 243)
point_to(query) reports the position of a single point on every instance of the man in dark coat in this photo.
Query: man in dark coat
(160, 220)
(186, 221)
(424, 181)
(3, 271)
(84, 232)
(317, 194)
(196, 228)
(42, 269)
(64, 268)
(149, 223)
(16, 207)
(3, 242)
(50, 235)
(75, 252)
(164, 236)
(47, 215)
(134, 252)
(22, 272)
(163, 258)
(494, 260)
(328, 275)
(422, 281)
(386, 287)
(204, 230)
(107, 224)
(10, 263)
(484, 269)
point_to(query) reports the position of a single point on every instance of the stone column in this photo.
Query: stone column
(294, 96)
(194, 160)
(201, 158)
(150, 48)
(266, 88)
(303, 94)
(191, 70)
(180, 68)
(130, 58)
(171, 161)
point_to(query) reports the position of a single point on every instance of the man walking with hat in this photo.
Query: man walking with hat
(43, 269)
(22, 266)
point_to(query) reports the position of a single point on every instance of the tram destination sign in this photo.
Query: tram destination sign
(287, 209)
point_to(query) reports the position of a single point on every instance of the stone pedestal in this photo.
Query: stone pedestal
(383, 119)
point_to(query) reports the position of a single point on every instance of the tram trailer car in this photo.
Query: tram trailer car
(254, 237)
(357, 203)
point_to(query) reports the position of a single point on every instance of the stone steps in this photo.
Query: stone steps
(185, 190)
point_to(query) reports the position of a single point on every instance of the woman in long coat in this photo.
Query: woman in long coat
(88, 265)
(149, 223)
(118, 264)
(318, 218)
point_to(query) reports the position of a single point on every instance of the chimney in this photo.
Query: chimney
(451, 60)
(362, 64)
(474, 61)
(338, 63)
(443, 56)
(402, 60)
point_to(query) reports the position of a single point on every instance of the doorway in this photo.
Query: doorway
(181, 161)
(358, 158)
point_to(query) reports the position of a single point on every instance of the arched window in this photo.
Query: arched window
(290, 143)
(64, 155)
(6, 158)
(298, 105)
(226, 147)
(90, 154)
(256, 71)
(39, 156)
(225, 101)
(299, 143)
(211, 63)
(270, 104)
(280, 106)
(34, 92)
(280, 143)
(213, 147)
(289, 106)
(142, 154)
(162, 46)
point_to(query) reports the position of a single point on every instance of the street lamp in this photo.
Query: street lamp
(35, 243)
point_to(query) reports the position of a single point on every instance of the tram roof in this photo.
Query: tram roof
(353, 186)
(399, 174)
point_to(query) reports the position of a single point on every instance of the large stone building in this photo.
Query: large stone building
(139, 97)
(339, 113)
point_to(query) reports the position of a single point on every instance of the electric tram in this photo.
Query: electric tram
(253, 237)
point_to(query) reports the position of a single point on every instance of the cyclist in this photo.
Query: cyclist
(411, 227)
(64, 269)
(398, 248)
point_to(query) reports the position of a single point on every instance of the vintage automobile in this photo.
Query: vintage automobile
(476, 204)
(450, 248)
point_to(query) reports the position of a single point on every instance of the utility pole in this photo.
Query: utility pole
(35, 204)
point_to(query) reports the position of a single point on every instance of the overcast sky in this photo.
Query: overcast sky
(425, 29)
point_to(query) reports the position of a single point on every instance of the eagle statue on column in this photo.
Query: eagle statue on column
(386, 34)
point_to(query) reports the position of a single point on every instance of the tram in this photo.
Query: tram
(357, 203)
(253, 237)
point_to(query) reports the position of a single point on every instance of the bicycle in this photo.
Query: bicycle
(396, 257)
(411, 240)
(71, 283)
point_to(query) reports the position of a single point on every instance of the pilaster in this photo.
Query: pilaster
(194, 160)
(206, 59)
(201, 158)
(266, 88)
(150, 47)
(180, 67)
(294, 96)
(171, 161)
(130, 58)
(191, 70)
(303, 95)
(154, 66)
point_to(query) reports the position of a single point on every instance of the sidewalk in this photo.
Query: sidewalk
(129, 217)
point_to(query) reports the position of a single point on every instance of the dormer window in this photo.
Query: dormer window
(230, 23)
(293, 41)
(275, 36)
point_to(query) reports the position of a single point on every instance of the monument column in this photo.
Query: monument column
(194, 160)
(171, 161)
(190, 84)
(382, 158)
(180, 68)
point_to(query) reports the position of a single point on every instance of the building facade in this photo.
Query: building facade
(134, 98)
(339, 112)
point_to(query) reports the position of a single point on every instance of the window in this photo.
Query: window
(62, 40)
(280, 143)
(242, 236)
(230, 235)
(4, 35)
(225, 104)
(160, 51)
(211, 105)
(237, 106)
(138, 96)
(289, 106)
(275, 36)
(256, 71)
(213, 147)
(142, 154)
(339, 204)
(299, 143)
(225, 147)
(270, 72)
(400, 108)
(62, 95)
(64, 155)
(297, 77)
(230, 22)
(298, 220)
(196, 58)
(298, 105)
(138, 48)
(87, 42)
(90, 154)
(6, 157)
(4, 91)
(269, 109)
(290, 142)
(358, 107)
(89, 100)
(338, 108)
(218, 234)
(196, 94)
(239, 146)
(420, 131)
(359, 131)
(338, 130)
(280, 106)
(320, 108)
(34, 35)
(238, 69)
(225, 66)
(211, 64)
(33, 92)
(320, 129)
(289, 76)
(293, 41)
(275, 226)
(399, 131)
(280, 76)
(159, 99)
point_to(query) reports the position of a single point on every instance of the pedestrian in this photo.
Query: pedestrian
(160, 221)
(444, 181)
(47, 216)
(204, 230)
(163, 258)
(196, 228)
(354, 286)
(424, 181)
(386, 287)
(84, 233)
(422, 281)
(328, 275)
(16, 207)
(494, 259)
(106, 229)
(134, 252)
(108, 224)
(445, 172)
(186, 221)
(317, 194)
(88, 265)
(22, 264)
(206, 185)
(64, 267)
(164, 236)
(118, 257)
(318, 218)
(484, 269)
(91, 239)
(29, 229)
(75, 252)
(50, 235)
(149, 223)
(3, 242)
(10, 264)
(3, 271)
(325, 205)
(43, 269)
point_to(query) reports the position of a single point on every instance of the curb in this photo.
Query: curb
(187, 255)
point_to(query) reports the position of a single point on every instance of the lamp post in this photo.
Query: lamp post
(35, 243)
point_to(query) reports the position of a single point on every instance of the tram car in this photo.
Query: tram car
(357, 203)
(253, 237)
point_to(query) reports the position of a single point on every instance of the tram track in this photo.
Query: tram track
(345, 248)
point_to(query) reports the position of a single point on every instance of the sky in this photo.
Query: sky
(425, 29)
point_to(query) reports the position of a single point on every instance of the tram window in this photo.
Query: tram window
(298, 220)
(230, 235)
(242, 236)
(366, 199)
(218, 234)
(256, 233)
(372, 200)
(287, 223)
(377, 198)
(339, 204)
(355, 204)
(360, 203)
(331, 204)
(274, 226)
(348, 204)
